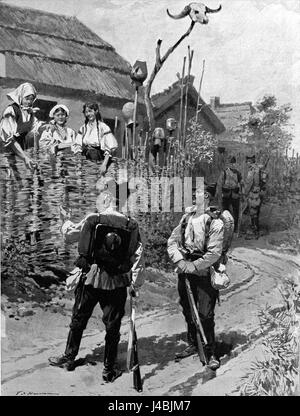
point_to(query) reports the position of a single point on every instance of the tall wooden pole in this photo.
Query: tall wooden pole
(181, 102)
(159, 61)
(134, 122)
(190, 56)
(126, 143)
(199, 91)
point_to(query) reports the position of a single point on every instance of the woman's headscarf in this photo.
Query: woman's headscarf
(57, 107)
(22, 91)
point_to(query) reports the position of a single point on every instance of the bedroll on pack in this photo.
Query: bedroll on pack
(218, 274)
(228, 222)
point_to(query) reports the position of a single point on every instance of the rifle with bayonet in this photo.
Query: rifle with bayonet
(132, 351)
(201, 338)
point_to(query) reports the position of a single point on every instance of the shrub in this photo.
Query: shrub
(276, 374)
(156, 229)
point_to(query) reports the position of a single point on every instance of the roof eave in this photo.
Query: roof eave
(210, 115)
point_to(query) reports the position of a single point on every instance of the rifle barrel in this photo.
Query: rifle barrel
(132, 352)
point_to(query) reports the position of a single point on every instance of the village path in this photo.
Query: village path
(256, 275)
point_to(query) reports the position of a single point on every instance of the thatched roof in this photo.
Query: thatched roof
(167, 98)
(60, 51)
(233, 114)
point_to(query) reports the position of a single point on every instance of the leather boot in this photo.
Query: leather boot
(73, 342)
(63, 362)
(110, 372)
(213, 363)
(67, 360)
(187, 352)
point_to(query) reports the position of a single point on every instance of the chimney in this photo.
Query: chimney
(214, 102)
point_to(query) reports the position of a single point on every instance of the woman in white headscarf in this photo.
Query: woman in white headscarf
(18, 121)
(57, 135)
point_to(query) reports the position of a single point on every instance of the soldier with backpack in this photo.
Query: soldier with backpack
(230, 188)
(111, 259)
(255, 188)
(201, 240)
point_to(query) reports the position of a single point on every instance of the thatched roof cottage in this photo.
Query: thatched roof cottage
(167, 104)
(66, 62)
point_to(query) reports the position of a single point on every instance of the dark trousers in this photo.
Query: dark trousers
(232, 205)
(205, 299)
(112, 303)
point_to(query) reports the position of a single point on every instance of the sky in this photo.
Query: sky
(250, 48)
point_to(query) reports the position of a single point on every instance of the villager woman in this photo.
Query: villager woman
(18, 125)
(57, 136)
(95, 139)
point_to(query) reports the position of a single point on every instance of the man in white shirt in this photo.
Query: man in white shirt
(193, 254)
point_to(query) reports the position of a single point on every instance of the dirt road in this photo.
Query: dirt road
(28, 342)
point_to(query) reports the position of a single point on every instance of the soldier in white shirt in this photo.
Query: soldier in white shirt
(192, 256)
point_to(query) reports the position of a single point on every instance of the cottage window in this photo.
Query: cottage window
(110, 122)
(45, 107)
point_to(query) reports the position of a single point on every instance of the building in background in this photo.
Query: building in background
(166, 104)
(65, 61)
(231, 115)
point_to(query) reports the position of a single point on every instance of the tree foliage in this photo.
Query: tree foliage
(200, 144)
(266, 129)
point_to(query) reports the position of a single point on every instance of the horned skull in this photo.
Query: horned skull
(196, 11)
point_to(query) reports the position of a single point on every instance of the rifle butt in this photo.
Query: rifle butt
(137, 379)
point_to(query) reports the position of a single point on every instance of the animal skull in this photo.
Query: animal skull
(196, 11)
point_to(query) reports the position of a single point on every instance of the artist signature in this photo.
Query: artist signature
(33, 393)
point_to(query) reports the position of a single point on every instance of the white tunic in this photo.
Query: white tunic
(52, 137)
(101, 137)
(8, 125)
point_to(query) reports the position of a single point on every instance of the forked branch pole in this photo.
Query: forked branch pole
(159, 61)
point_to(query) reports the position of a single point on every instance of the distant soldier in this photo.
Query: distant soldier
(230, 189)
(255, 186)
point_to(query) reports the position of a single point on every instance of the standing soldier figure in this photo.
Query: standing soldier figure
(230, 188)
(111, 259)
(254, 190)
(193, 250)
